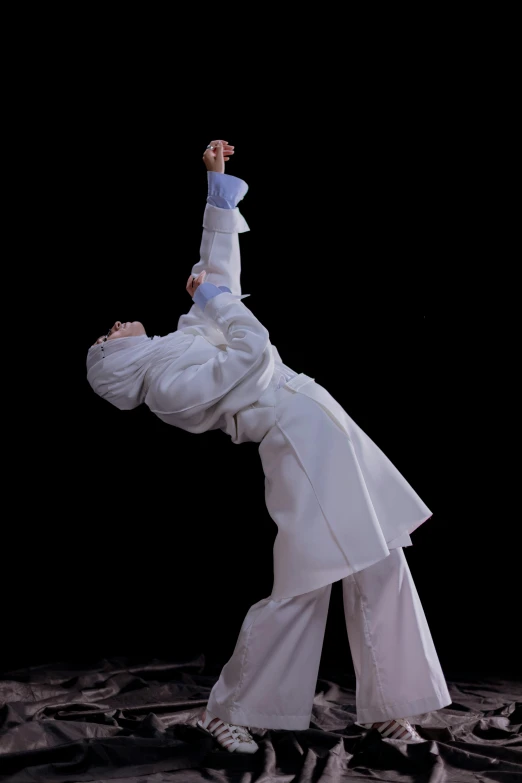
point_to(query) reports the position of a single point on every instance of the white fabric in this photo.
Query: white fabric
(185, 379)
(339, 503)
(270, 680)
(198, 377)
(207, 385)
(119, 370)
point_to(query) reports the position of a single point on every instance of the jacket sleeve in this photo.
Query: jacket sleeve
(219, 255)
(229, 381)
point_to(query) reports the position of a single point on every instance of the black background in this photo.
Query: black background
(125, 536)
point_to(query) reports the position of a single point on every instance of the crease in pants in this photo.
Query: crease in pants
(270, 680)
(261, 684)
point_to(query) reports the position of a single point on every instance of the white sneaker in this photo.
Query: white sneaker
(234, 738)
(397, 728)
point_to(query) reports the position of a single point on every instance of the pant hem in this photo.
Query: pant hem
(260, 720)
(404, 709)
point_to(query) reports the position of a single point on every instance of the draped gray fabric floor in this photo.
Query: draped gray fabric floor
(117, 720)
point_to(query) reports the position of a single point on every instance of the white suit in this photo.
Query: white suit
(339, 503)
(343, 511)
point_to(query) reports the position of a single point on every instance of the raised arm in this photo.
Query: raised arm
(219, 252)
(220, 257)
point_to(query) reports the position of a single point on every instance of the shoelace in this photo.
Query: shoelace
(239, 732)
(227, 731)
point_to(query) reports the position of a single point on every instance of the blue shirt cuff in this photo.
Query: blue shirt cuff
(224, 190)
(208, 291)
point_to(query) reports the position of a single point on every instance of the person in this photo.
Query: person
(343, 511)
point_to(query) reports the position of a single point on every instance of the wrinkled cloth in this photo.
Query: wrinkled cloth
(215, 364)
(339, 503)
(270, 679)
(113, 721)
(121, 370)
(206, 386)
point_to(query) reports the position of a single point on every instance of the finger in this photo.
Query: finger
(208, 154)
(196, 281)
(219, 154)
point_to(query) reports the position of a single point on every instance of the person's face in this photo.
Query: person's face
(119, 329)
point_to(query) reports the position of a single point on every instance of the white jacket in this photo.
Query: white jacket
(340, 505)
(230, 362)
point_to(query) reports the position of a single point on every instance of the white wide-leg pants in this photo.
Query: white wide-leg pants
(270, 680)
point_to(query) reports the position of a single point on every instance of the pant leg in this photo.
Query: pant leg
(271, 678)
(397, 668)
